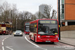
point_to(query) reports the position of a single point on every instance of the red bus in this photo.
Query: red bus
(26, 28)
(44, 30)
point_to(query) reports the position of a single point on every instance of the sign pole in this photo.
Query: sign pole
(59, 18)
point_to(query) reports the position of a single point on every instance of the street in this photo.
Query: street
(10, 42)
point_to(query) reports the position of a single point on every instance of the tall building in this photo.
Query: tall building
(42, 9)
(67, 12)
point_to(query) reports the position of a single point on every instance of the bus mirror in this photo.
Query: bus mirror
(34, 25)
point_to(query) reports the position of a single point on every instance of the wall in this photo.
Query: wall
(68, 34)
(67, 28)
(69, 9)
(68, 31)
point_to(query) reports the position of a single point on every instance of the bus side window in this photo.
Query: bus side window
(32, 28)
(35, 28)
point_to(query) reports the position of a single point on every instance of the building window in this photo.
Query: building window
(62, 9)
(62, 5)
(62, 1)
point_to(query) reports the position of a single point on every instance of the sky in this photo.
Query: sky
(31, 5)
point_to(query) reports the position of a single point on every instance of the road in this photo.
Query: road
(10, 42)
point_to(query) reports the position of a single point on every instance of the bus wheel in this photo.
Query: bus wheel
(34, 39)
(30, 37)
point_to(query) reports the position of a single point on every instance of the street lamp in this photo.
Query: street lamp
(59, 18)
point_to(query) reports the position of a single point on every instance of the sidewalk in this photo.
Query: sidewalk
(69, 41)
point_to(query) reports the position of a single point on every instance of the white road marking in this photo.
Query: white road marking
(9, 48)
(2, 47)
(34, 44)
(2, 43)
(4, 39)
(42, 48)
(31, 42)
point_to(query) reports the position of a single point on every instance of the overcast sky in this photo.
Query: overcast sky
(31, 5)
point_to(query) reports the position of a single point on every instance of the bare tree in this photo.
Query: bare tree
(47, 11)
(53, 14)
(38, 15)
(33, 17)
(27, 15)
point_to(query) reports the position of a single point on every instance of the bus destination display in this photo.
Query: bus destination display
(51, 22)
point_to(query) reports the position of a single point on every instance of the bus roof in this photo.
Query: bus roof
(42, 19)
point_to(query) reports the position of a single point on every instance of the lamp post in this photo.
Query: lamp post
(16, 23)
(11, 21)
(59, 18)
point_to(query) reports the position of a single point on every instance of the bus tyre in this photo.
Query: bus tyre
(30, 37)
(34, 40)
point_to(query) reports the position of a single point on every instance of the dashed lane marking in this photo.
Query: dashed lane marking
(3, 42)
(9, 47)
(2, 47)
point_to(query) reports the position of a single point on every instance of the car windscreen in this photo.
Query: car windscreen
(18, 31)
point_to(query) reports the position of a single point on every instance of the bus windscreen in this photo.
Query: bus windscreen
(27, 26)
(47, 27)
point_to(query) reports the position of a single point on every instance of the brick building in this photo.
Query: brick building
(67, 12)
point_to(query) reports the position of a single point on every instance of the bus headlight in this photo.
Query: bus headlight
(56, 36)
(38, 36)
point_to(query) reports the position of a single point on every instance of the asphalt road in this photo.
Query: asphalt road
(10, 42)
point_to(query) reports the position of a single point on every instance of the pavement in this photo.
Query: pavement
(70, 41)
(68, 37)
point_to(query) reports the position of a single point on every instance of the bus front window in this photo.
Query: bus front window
(47, 29)
(27, 28)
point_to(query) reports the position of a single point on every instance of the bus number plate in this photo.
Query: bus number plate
(48, 41)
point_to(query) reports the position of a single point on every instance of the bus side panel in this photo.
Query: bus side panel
(34, 35)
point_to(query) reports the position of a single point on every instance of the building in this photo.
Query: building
(42, 9)
(67, 12)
